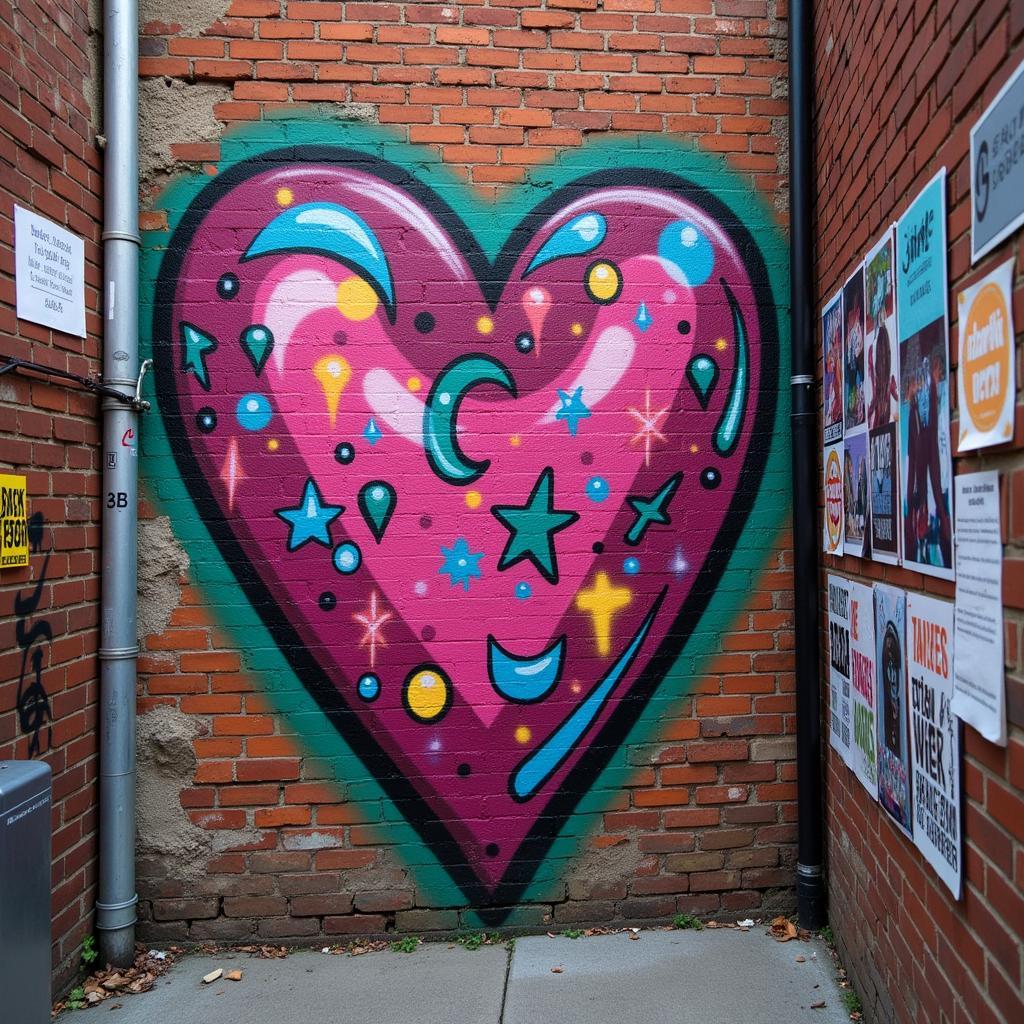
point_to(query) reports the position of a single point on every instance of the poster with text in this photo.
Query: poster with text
(893, 722)
(934, 737)
(832, 369)
(926, 467)
(863, 750)
(853, 350)
(883, 370)
(855, 490)
(840, 701)
(833, 514)
(986, 382)
(883, 513)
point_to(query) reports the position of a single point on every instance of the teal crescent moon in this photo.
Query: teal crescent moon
(441, 415)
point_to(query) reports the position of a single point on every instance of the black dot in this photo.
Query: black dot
(328, 601)
(598, 548)
(463, 769)
(683, 327)
(586, 458)
(206, 420)
(492, 849)
(428, 633)
(426, 522)
(340, 337)
(524, 343)
(424, 322)
(227, 286)
(710, 478)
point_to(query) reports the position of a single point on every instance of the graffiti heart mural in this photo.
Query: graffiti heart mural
(478, 489)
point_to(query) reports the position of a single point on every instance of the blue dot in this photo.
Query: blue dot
(597, 488)
(368, 687)
(688, 253)
(523, 591)
(253, 411)
(631, 566)
(347, 558)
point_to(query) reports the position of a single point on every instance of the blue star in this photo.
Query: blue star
(573, 409)
(460, 563)
(310, 519)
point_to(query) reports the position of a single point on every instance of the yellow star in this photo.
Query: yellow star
(603, 600)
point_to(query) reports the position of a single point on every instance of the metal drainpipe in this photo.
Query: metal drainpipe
(115, 907)
(810, 881)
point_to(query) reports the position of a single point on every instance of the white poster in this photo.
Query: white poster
(49, 272)
(986, 382)
(840, 703)
(863, 750)
(979, 690)
(834, 529)
(934, 737)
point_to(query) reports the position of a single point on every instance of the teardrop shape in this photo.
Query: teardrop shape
(702, 373)
(377, 500)
(258, 343)
(581, 235)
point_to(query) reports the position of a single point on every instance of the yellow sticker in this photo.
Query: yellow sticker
(13, 522)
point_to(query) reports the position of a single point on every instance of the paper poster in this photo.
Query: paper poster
(880, 327)
(832, 369)
(853, 350)
(863, 750)
(934, 737)
(13, 522)
(840, 700)
(926, 467)
(979, 690)
(834, 518)
(883, 518)
(986, 383)
(855, 490)
(891, 687)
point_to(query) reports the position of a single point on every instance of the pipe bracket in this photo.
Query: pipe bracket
(122, 236)
(118, 653)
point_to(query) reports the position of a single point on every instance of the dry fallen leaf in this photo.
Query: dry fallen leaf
(782, 929)
(234, 975)
(556, 970)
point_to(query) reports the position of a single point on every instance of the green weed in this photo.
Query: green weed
(687, 922)
(406, 944)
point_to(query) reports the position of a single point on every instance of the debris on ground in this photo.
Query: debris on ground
(209, 979)
(782, 929)
(801, 959)
(746, 924)
(557, 970)
(120, 981)
(265, 952)
(235, 975)
(819, 1005)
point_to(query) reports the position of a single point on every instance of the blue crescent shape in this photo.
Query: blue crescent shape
(327, 229)
(525, 679)
(581, 235)
(441, 414)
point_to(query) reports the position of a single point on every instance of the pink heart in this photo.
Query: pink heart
(480, 507)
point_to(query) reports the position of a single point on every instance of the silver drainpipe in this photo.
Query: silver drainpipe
(115, 906)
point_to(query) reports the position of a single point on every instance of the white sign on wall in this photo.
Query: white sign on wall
(49, 272)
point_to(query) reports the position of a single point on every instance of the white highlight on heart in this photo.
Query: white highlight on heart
(394, 404)
(607, 361)
(294, 297)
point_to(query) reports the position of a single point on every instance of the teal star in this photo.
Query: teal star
(532, 528)
(195, 347)
(310, 519)
(572, 409)
(651, 510)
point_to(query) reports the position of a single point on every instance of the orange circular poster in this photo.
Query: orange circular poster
(834, 499)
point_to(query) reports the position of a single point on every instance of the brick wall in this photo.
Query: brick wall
(255, 821)
(49, 164)
(898, 87)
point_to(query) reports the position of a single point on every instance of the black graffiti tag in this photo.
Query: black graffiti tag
(33, 702)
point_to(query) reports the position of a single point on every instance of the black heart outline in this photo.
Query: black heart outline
(492, 905)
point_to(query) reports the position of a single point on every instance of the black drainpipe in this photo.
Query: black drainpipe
(810, 880)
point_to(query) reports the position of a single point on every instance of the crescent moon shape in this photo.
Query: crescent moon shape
(727, 433)
(441, 415)
(525, 678)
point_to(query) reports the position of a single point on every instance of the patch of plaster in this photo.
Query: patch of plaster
(92, 83)
(598, 868)
(162, 563)
(191, 16)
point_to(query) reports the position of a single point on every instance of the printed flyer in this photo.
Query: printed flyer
(855, 490)
(880, 326)
(986, 383)
(853, 350)
(839, 666)
(862, 674)
(926, 466)
(834, 518)
(891, 687)
(883, 513)
(832, 369)
(935, 737)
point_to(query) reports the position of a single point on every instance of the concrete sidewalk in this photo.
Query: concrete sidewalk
(664, 977)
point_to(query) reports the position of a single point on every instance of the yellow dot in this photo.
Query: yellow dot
(721, 344)
(603, 282)
(523, 734)
(576, 686)
(414, 383)
(356, 299)
(427, 694)
(485, 325)
(515, 440)
(577, 329)
(473, 499)
(285, 197)
(273, 444)
(694, 449)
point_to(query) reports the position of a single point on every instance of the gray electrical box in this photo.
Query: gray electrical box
(25, 891)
